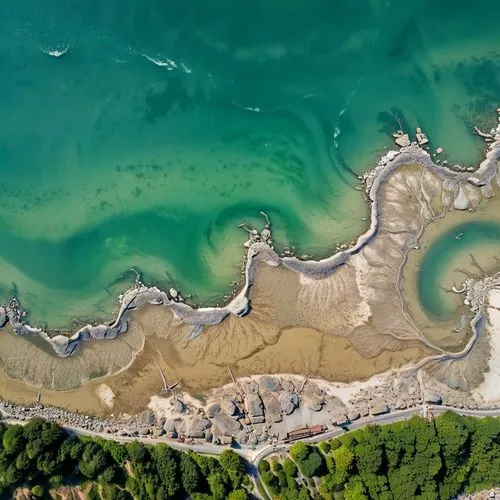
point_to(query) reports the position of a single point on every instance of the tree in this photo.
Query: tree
(368, 458)
(354, 490)
(108, 475)
(190, 474)
(343, 459)
(117, 451)
(313, 464)
(290, 468)
(93, 493)
(217, 486)
(138, 453)
(22, 461)
(264, 466)
(234, 465)
(167, 467)
(299, 451)
(71, 449)
(238, 495)
(47, 464)
(453, 435)
(93, 461)
(13, 440)
(37, 491)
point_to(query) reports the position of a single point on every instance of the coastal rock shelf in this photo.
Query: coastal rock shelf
(461, 190)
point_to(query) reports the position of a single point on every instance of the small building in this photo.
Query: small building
(316, 429)
(304, 432)
(300, 433)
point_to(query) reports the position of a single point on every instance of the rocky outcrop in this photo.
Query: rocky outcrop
(268, 383)
(289, 401)
(254, 408)
(226, 424)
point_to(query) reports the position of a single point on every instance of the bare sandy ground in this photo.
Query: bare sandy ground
(489, 390)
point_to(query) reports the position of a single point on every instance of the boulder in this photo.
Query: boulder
(227, 424)
(287, 385)
(271, 405)
(144, 431)
(158, 431)
(3, 316)
(213, 409)
(268, 383)
(314, 404)
(170, 429)
(289, 401)
(178, 405)
(251, 387)
(379, 409)
(200, 424)
(353, 415)
(403, 141)
(433, 398)
(147, 418)
(253, 405)
(229, 407)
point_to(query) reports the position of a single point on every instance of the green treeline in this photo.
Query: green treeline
(411, 459)
(41, 455)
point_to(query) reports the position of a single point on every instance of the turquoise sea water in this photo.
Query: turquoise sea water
(168, 122)
(438, 261)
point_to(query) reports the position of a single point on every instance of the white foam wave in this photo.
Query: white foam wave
(55, 52)
(249, 108)
(168, 63)
(186, 68)
(336, 133)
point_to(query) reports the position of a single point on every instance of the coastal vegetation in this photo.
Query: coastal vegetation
(42, 456)
(412, 459)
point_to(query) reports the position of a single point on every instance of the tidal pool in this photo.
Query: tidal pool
(465, 250)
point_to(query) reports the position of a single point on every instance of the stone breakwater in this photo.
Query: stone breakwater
(460, 188)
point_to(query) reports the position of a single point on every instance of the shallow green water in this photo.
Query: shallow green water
(440, 259)
(110, 160)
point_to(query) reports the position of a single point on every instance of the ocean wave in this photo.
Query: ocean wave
(166, 62)
(186, 68)
(55, 51)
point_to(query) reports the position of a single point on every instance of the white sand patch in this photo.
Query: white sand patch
(106, 395)
(165, 407)
(346, 391)
(489, 390)
(343, 391)
(162, 407)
